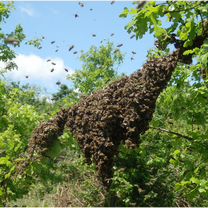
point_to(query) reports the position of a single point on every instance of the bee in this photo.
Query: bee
(91, 9)
(93, 35)
(112, 34)
(27, 77)
(119, 45)
(71, 47)
(75, 52)
(132, 36)
(112, 2)
(53, 63)
(133, 52)
(52, 70)
(52, 42)
(76, 15)
(58, 83)
(66, 70)
(48, 60)
(81, 4)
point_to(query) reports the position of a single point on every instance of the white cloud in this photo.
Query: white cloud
(38, 71)
(28, 11)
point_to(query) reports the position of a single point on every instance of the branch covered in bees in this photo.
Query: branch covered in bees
(116, 115)
(108, 118)
(42, 139)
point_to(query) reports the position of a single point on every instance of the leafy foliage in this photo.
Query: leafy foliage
(13, 39)
(99, 68)
(182, 17)
(36, 42)
(65, 97)
(7, 40)
(18, 119)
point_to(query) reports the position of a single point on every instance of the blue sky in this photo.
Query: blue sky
(56, 22)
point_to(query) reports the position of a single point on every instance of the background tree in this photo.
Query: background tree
(98, 69)
(186, 21)
(8, 41)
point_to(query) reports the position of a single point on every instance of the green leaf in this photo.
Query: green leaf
(133, 11)
(160, 32)
(5, 161)
(1, 192)
(195, 180)
(187, 52)
(176, 152)
(201, 190)
(188, 43)
(124, 14)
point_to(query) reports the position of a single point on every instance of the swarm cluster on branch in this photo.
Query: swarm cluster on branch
(118, 114)
(44, 137)
(110, 117)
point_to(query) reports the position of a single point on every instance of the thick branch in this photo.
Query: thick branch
(172, 132)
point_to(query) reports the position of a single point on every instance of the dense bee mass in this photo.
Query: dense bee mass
(47, 133)
(42, 139)
(118, 114)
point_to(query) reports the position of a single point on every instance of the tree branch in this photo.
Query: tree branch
(172, 132)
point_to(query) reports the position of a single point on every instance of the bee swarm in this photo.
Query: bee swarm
(110, 117)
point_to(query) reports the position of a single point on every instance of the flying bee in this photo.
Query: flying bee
(58, 83)
(93, 35)
(81, 4)
(132, 36)
(66, 70)
(53, 63)
(76, 15)
(119, 45)
(133, 52)
(71, 47)
(52, 70)
(48, 60)
(52, 42)
(112, 34)
(27, 77)
(75, 52)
